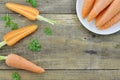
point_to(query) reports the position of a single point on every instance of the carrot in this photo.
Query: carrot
(87, 6)
(99, 6)
(14, 36)
(17, 61)
(112, 10)
(27, 11)
(113, 21)
(100, 15)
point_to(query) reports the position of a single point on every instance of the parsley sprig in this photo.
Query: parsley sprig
(9, 22)
(34, 45)
(16, 76)
(48, 31)
(32, 2)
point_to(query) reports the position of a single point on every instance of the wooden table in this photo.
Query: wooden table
(71, 53)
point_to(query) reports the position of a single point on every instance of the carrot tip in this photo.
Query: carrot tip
(42, 70)
(83, 16)
(89, 20)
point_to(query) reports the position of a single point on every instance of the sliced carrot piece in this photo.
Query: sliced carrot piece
(14, 36)
(23, 7)
(26, 11)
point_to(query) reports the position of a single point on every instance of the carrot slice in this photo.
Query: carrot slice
(14, 36)
(99, 6)
(17, 61)
(113, 21)
(112, 10)
(87, 6)
(27, 11)
(23, 7)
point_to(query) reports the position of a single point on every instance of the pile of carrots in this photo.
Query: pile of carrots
(105, 12)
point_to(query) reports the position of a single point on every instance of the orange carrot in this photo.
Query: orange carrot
(16, 61)
(100, 15)
(99, 6)
(113, 21)
(27, 11)
(112, 10)
(87, 6)
(14, 36)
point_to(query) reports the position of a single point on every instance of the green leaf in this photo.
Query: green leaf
(9, 22)
(48, 31)
(34, 45)
(15, 76)
(14, 26)
(32, 2)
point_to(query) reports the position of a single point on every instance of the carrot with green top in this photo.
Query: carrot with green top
(112, 10)
(14, 36)
(17, 61)
(99, 6)
(87, 6)
(28, 11)
(110, 23)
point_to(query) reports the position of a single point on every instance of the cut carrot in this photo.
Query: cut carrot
(112, 10)
(14, 36)
(87, 6)
(99, 6)
(113, 21)
(16, 61)
(27, 11)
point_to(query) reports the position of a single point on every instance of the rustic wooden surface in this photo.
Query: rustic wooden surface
(71, 53)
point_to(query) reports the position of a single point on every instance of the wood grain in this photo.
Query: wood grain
(70, 47)
(71, 53)
(64, 75)
(45, 6)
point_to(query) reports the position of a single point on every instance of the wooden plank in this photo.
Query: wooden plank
(56, 52)
(46, 6)
(70, 47)
(64, 75)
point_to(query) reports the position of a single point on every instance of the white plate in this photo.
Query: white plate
(91, 25)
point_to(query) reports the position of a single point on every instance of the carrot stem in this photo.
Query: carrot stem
(3, 58)
(2, 44)
(41, 18)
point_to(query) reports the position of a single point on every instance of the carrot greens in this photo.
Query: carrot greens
(34, 45)
(32, 2)
(48, 31)
(9, 22)
(15, 76)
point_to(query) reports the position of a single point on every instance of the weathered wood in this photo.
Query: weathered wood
(70, 47)
(64, 75)
(69, 53)
(46, 6)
